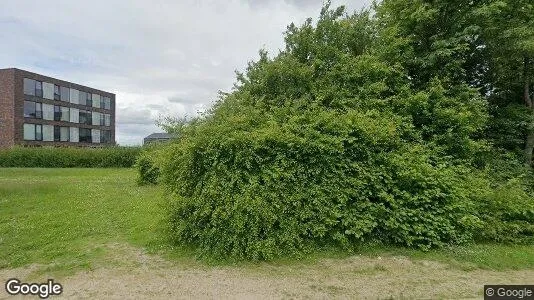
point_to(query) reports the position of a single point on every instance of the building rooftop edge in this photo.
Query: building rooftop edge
(46, 76)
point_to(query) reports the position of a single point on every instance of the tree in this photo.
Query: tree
(486, 44)
(507, 29)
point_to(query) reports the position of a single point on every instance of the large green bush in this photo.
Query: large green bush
(63, 157)
(257, 188)
(334, 142)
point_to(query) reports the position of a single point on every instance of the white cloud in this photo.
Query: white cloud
(159, 56)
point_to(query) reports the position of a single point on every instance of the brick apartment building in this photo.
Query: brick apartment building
(37, 110)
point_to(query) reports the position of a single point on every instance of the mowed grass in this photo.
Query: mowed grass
(65, 218)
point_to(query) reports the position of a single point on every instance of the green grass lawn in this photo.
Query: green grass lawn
(64, 218)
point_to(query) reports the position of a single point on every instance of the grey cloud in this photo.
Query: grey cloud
(158, 107)
(304, 3)
(136, 129)
(310, 4)
(186, 100)
(177, 99)
(129, 115)
(133, 134)
(297, 3)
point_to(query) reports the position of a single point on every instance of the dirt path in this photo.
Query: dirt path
(357, 277)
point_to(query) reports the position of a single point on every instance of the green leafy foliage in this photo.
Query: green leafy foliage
(254, 187)
(507, 207)
(148, 172)
(508, 214)
(52, 157)
(365, 128)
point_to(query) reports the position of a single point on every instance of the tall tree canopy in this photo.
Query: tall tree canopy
(485, 44)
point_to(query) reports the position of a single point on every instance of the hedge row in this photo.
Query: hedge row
(50, 157)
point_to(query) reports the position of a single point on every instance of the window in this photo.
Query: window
(48, 90)
(29, 87)
(65, 114)
(96, 135)
(107, 120)
(38, 132)
(74, 96)
(102, 119)
(39, 89)
(39, 110)
(82, 99)
(61, 134)
(57, 133)
(33, 110)
(33, 87)
(96, 118)
(74, 135)
(85, 117)
(29, 132)
(64, 134)
(82, 117)
(74, 115)
(89, 117)
(57, 95)
(48, 133)
(88, 99)
(85, 99)
(107, 103)
(48, 112)
(65, 94)
(105, 136)
(57, 113)
(61, 113)
(33, 132)
(85, 135)
(29, 109)
(96, 100)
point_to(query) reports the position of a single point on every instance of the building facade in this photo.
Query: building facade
(37, 110)
(157, 137)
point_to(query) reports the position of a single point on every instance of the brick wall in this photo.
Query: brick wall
(7, 98)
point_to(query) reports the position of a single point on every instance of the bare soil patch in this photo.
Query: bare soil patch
(133, 274)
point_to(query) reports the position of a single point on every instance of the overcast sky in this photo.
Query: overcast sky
(160, 57)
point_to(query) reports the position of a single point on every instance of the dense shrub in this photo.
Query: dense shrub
(507, 213)
(507, 206)
(148, 171)
(280, 188)
(333, 142)
(50, 157)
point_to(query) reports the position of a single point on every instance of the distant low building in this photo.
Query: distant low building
(157, 137)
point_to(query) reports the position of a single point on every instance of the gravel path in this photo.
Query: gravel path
(357, 277)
